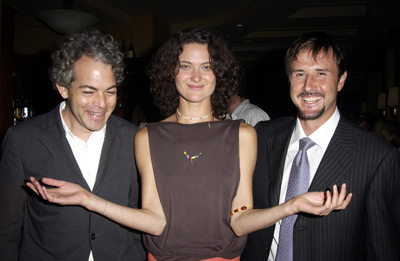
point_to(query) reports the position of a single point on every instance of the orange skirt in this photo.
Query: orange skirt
(150, 257)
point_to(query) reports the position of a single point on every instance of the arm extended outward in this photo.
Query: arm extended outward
(149, 219)
(250, 220)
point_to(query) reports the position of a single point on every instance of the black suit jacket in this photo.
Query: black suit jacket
(33, 229)
(368, 229)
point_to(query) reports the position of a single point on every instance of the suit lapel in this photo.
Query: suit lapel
(109, 151)
(57, 145)
(276, 162)
(337, 158)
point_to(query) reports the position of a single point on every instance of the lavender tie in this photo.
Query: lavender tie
(298, 184)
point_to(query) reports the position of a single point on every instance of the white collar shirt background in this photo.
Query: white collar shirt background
(250, 113)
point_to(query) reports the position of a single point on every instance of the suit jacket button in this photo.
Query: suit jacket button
(93, 236)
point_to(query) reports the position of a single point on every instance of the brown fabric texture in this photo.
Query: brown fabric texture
(196, 195)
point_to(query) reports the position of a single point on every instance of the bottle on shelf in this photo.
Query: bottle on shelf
(131, 51)
(123, 49)
(32, 111)
(16, 111)
(25, 111)
(22, 109)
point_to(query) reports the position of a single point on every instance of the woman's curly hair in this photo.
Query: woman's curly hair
(164, 65)
(92, 43)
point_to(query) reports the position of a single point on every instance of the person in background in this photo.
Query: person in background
(79, 141)
(396, 137)
(241, 108)
(340, 152)
(366, 120)
(196, 168)
(385, 129)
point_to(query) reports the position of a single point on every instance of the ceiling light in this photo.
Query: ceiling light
(66, 20)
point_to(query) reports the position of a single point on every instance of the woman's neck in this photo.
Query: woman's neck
(194, 113)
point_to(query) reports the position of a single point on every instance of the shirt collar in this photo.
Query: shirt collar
(322, 136)
(100, 134)
(241, 107)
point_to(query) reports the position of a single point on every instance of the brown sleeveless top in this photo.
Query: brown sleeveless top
(196, 195)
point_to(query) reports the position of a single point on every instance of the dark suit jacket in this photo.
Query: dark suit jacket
(33, 229)
(368, 229)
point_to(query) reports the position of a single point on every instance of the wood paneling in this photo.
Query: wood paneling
(6, 69)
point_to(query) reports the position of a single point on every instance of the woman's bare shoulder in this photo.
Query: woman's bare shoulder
(247, 130)
(142, 134)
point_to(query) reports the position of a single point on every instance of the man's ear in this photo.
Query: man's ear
(63, 91)
(341, 82)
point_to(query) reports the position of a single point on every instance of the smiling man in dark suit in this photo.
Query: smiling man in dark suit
(343, 153)
(79, 141)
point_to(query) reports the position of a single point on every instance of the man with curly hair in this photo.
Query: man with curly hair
(79, 141)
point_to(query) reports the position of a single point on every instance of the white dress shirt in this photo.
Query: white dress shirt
(87, 154)
(249, 112)
(321, 137)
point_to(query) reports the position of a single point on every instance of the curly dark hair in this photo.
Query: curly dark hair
(315, 42)
(92, 43)
(164, 65)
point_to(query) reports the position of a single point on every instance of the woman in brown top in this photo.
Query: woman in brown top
(196, 168)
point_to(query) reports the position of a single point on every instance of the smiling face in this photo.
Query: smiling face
(91, 98)
(314, 85)
(195, 81)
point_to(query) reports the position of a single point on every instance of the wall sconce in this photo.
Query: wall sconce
(381, 105)
(66, 20)
(393, 102)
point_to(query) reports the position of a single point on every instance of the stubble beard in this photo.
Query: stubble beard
(309, 116)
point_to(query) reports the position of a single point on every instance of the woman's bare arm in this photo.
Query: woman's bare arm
(150, 219)
(250, 220)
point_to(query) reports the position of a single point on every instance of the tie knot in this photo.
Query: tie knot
(305, 143)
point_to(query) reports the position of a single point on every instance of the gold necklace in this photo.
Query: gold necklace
(193, 118)
(187, 156)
